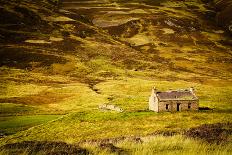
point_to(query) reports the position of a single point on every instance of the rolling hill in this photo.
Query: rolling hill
(60, 60)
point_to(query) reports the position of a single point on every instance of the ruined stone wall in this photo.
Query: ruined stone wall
(172, 105)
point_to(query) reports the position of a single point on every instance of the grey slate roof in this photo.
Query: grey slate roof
(176, 95)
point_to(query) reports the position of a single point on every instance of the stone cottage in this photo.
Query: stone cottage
(173, 100)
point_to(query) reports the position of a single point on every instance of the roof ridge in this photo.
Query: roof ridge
(180, 94)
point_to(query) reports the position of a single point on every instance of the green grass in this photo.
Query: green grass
(13, 124)
(9, 109)
(102, 125)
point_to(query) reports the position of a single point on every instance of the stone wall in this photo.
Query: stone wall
(172, 105)
(153, 103)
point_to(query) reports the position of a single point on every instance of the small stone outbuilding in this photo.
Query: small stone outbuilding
(173, 100)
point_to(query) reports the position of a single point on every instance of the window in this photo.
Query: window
(167, 106)
(189, 106)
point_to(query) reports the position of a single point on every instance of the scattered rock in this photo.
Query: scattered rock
(110, 107)
(170, 23)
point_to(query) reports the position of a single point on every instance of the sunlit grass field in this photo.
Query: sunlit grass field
(50, 92)
(84, 121)
(13, 124)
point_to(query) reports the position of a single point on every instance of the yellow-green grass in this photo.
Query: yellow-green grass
(134, 93)
(150, 145)
(13, 124)
(163, 146)
(102, 125)
(177, 145)
(9, 109)
(86, 122)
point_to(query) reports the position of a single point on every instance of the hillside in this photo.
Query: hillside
(60, 61)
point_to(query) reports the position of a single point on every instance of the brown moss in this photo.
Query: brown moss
(22, 58)
(46, 147)
(212, 133)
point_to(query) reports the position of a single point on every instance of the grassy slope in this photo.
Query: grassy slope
(167, 146)
(117, 65)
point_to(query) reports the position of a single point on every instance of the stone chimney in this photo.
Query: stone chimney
(154, 91)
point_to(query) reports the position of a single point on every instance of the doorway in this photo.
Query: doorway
(178, 107)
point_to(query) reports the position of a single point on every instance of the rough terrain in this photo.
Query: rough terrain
(60, 61)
